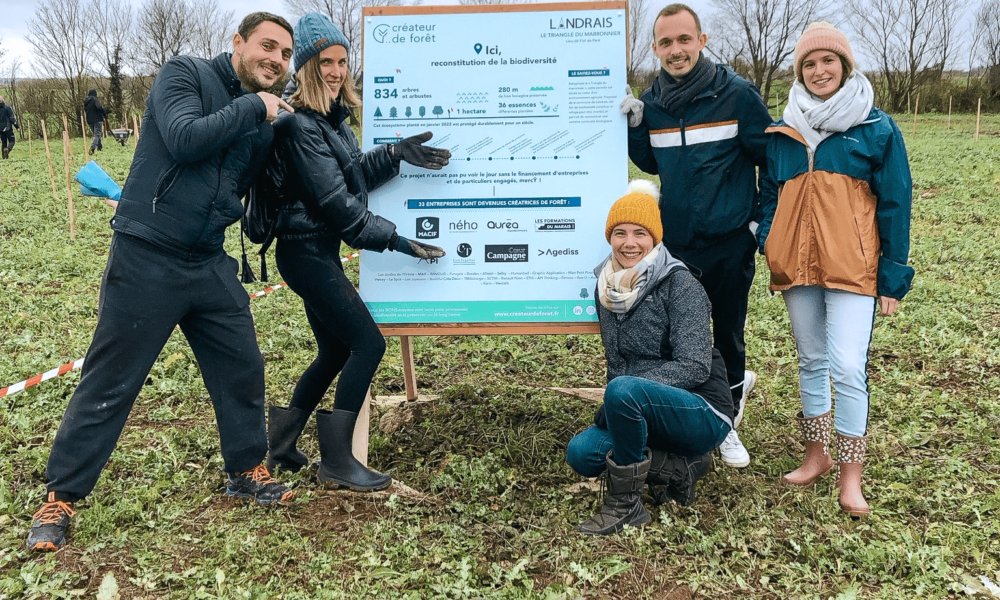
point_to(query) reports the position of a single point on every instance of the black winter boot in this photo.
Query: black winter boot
(338, 466)
(623, 504)
(284, 426)
(673, 477)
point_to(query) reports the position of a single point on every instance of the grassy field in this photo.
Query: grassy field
(495, 514)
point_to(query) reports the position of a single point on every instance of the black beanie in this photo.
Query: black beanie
(92, 93)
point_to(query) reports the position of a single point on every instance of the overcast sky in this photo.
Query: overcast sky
(17, 13)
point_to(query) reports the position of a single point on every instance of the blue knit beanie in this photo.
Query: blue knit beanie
(315, 33)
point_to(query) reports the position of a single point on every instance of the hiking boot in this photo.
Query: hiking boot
(259, 486)
(732, 451)
(623, 504)
(48, 531)
(6, 153)
(338, 467)
(284, 426)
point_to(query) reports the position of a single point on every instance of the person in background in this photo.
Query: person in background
(95, 118)
(700, 127)
(836, 233)
(204, 138)
(320, 180)
(667, 404)
(8, 122)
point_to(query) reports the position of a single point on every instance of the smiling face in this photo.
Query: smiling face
(822, 73)
(630, 244)
(333, 68)
(677, 43)
(262, 59)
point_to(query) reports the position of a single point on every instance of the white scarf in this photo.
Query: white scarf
(818, 119)
(618, 287)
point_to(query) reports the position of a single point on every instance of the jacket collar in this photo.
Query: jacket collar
(223, 65)
(722, 76)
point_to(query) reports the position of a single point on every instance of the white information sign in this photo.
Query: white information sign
(526, 99)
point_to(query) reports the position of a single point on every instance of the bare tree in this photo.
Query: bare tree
(988, 25)
(9, 84)
(61, 37)
(114, 20)
(910, 41)
(756, 37)
(640, 40)
(212, 28)
(165, 29)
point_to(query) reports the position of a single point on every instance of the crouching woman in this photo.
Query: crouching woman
(667, 404)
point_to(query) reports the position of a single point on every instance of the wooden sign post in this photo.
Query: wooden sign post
(86, 148)
(69, 188)
(979, 113)
(48, 156)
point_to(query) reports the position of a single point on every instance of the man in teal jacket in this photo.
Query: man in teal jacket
(700, 127)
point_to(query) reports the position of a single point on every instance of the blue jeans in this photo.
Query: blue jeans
(645, 413)
(833, 330)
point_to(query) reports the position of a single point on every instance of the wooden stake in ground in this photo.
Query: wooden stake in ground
(949, 113)
(31, 153)
(86, 148)
(979, 113)
(69, 188)
(135, 124)
(48, 156)
(66, 129)
(916, 109)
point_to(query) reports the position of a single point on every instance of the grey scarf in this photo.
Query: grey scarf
(675, 94)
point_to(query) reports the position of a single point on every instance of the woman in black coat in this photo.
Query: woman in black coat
(321, 179)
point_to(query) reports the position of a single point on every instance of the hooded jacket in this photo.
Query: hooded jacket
(319, 178)
(666, 336)
(839, 218)
(96, 113)
(706, 159)
(7, 118)
(203, 138)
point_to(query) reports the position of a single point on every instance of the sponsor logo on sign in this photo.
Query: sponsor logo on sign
(555, 225)
(464, 250)
(507, 253)
(428, 228)
(504, 225)
(558, 252)
(463, 226)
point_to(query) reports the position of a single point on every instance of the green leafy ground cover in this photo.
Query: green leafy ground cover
(497, 520)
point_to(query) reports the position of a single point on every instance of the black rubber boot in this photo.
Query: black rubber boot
(623, 504)
(673, 477)
(284, 426)
(338, 466)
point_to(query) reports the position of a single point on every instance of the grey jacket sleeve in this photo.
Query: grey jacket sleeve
(690, 336)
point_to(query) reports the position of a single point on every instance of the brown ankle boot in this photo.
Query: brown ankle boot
(817, 461)
(851, 453)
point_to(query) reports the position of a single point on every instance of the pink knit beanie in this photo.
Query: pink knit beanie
(820, 35)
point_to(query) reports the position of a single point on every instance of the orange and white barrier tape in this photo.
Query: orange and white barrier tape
(78, 363)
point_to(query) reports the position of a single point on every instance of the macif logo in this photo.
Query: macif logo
(581, 23)
(428, 228)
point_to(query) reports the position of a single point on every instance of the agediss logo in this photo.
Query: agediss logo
(507, 253)
(559, 252)
(581, 23)
(428, 228)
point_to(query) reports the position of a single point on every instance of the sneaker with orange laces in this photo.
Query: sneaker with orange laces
(258, 485)
(48, 531)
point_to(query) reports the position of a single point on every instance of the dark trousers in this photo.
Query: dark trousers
(643, 413)
(144, 294)
(7, 139)
(727, 270)
(97, 128)
(348, 340)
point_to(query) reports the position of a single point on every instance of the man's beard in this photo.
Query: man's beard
(247, 75)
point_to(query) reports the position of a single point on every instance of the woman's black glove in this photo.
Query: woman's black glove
(413, 151)
(601, 418)
(415, 248)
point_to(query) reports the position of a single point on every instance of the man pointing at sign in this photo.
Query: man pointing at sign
(701, 128)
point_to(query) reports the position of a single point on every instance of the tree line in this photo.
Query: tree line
(907, 46)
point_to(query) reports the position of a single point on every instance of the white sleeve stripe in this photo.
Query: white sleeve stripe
(694, 136)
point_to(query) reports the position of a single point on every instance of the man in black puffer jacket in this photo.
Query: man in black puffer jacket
(7, 125)
(96, 114)
(204, 137)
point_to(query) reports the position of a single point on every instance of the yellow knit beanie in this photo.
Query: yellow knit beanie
(820, 35)
(638, 206)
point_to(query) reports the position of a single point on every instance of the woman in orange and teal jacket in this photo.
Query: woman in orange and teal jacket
(835, 231)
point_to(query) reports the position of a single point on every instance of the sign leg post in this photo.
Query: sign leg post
(359, 443)
(409, 373)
